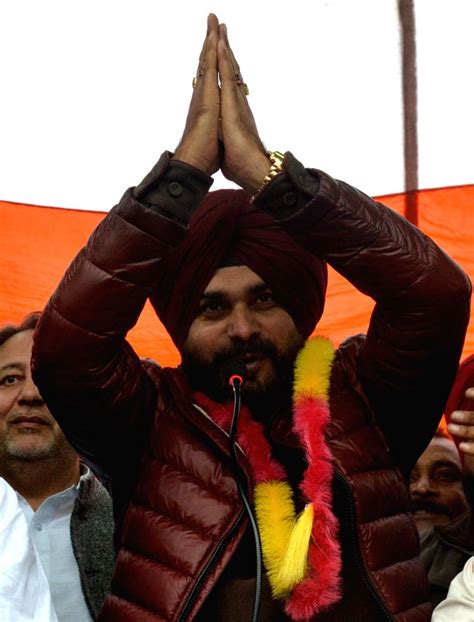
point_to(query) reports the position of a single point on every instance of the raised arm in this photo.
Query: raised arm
(92, 380)
(418, 325)
(422, 297)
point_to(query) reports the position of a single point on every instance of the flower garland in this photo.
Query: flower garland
(301, 554)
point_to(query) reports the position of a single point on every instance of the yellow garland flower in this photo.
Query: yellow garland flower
(285, 539)
(275, 513)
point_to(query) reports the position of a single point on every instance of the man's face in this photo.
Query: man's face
(239, 317)
(436, 488)
(27, 428)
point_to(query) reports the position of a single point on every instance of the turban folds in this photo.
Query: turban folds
(457, 399)
(227, 225)
(464, 380)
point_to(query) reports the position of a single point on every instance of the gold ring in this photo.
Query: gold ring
(240, 82)
(246, 88)
(199, 74)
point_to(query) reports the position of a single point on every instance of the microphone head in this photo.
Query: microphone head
(234, 370)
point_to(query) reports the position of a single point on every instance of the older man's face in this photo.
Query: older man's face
(27, 429)
(436, 485)
(239, 317)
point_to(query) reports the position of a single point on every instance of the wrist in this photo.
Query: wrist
(256, 173)
(194, 160)
(249, 175)
(274, 168)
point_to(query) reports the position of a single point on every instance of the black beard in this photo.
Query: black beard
(262, 400)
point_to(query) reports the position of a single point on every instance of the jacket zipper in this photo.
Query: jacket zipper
(209, 566)
(219, 548)
(355, 547)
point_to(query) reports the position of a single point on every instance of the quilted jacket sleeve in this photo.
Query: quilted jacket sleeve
(92, 380)
(418, 325)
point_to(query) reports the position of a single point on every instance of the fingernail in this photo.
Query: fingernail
(457, 415)
(452, 427)
(465, 447)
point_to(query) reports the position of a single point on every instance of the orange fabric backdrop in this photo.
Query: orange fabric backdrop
(37, 244)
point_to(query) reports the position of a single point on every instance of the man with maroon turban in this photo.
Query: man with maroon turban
(312, 478)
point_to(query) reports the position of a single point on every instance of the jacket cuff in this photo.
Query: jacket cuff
(290, 191)
(173, 189)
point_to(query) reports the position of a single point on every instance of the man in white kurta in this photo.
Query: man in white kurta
(24, 589)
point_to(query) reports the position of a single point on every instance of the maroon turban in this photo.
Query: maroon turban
(457, 399)
(226, 226)
(464, 380)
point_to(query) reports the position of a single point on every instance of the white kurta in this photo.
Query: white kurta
(49, 529)
(24, 589)
(459, 603)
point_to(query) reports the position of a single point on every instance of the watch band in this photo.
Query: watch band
(276, 158)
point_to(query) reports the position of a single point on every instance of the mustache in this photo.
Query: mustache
(430, 507)
(209, 376)
(256, 345)
(31, 414)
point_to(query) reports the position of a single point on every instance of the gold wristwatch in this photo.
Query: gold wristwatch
(276, 158)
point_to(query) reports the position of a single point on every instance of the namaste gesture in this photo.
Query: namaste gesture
(220, 131)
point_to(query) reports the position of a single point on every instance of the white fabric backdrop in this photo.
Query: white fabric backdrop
(93, 91)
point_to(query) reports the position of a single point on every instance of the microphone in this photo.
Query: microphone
(234, 371)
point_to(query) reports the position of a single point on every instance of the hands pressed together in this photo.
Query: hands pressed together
(220, 130)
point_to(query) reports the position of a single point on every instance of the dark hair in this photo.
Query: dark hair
(29, 322)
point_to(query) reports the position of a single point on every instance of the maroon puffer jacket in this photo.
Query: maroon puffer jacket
(179, 516)
(185, 518)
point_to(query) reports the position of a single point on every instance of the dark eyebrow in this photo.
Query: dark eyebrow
(219, 295)
(212, 296)
(258, 289)
(446, 463)
(12, 366)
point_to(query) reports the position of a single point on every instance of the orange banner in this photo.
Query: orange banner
(37, 244)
